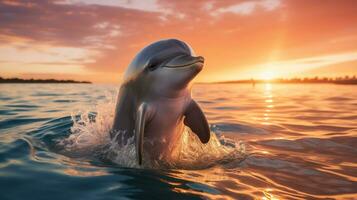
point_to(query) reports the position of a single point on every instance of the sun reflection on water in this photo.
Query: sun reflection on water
(269, 104)
(268, 196)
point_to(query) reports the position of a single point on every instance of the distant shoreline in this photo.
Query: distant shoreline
(343, 81)
(19, 80)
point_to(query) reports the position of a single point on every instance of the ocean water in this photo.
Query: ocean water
(270, 141)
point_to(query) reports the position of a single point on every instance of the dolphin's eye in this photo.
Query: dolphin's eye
(154, 64)
(152, 67)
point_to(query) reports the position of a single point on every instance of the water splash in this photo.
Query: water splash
(190, 153)
(90, 135)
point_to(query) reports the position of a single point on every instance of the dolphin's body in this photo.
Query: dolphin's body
(155, 101)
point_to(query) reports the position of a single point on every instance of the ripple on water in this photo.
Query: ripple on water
(43, 94)
(307, 128)
(22, 106)
(18, 121)
(339, 98)
(238, 128)
(7, 112)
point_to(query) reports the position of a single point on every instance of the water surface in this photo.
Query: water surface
(300, 143)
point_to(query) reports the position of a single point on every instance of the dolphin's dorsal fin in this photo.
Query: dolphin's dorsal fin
(140, 121)
(196, 120)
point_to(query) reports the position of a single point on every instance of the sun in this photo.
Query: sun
(268, 75)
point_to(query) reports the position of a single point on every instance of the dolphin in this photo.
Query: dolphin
(154, 102)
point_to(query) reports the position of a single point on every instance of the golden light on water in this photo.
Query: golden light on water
(268, 101)
(268, 195)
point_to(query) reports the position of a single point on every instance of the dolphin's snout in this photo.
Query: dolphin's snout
(184, 60)
(200, 59)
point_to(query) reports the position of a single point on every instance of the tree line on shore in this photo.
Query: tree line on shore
(19, 80)
(316, 79)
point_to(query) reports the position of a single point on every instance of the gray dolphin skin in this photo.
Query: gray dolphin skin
(154, 101)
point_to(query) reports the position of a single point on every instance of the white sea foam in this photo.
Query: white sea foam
(90, 135)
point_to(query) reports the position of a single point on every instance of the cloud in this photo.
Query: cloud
(298, 66)
(66, 24)
(30, 24)
(246, 7)
(147, 5)
(102, 36)
(44, 58)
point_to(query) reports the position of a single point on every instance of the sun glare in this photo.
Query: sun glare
(267, 75)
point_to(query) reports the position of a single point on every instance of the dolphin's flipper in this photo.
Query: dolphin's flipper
(141, 116)
(196, 120)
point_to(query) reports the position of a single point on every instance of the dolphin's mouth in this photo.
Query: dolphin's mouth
(184, 61)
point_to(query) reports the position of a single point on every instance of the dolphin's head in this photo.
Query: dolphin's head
(166, 65)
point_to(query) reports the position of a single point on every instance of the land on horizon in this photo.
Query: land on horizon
(350, 80)
(19, 80)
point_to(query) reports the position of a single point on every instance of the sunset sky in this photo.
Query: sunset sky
(95, 40)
